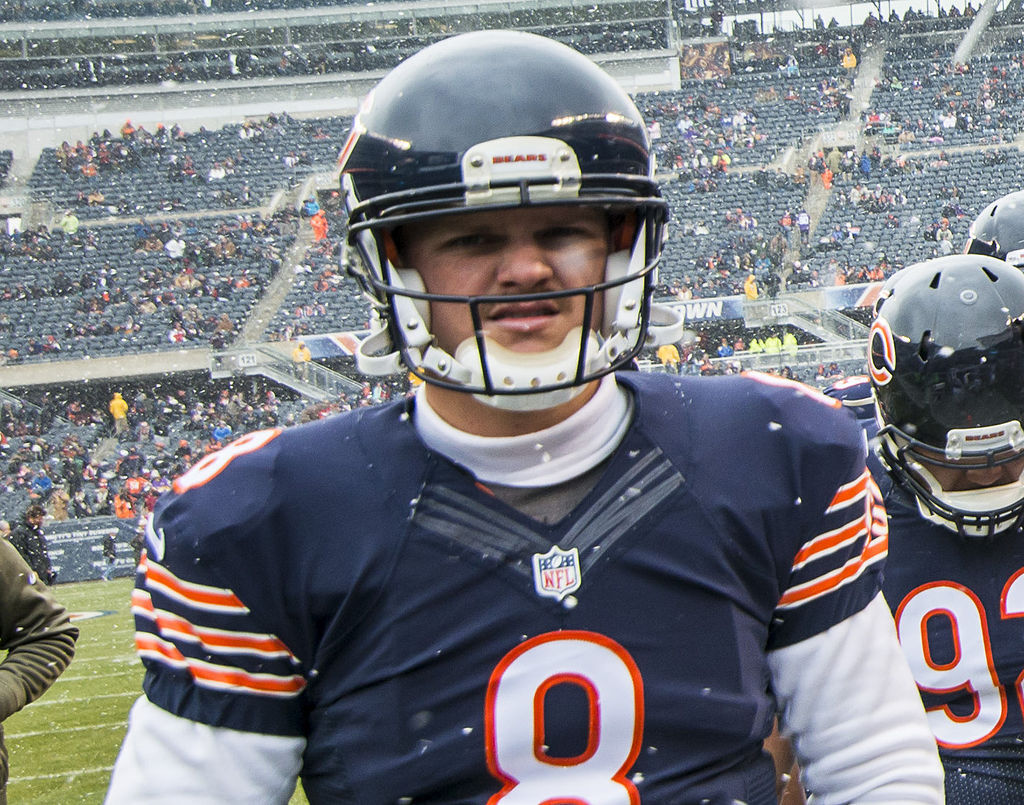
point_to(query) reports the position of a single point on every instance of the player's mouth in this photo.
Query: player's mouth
(523, 316)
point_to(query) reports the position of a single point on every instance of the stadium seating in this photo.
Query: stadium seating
(100, 291)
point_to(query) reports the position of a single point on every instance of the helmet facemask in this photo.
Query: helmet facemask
(617, 320)
(947, 368)
(980, 512)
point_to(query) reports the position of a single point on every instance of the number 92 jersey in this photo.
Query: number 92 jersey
(958, 605)
(341, 582)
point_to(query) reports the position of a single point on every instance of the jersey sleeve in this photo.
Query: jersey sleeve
(848, 700)
(837, 569)
(166, 760)
(209, 655)
(831, 547)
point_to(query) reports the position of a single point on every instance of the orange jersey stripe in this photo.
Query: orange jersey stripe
(871, 520)
(801, 594)
(234, 678)
(847, 495)
(148, 644)
(222, 640)
(830, 541)
(200, 596)
(851, 492)
(218, 676)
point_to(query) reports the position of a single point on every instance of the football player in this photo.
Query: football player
(541, 580)
(857, 397)
(998, 231)
(947, 366)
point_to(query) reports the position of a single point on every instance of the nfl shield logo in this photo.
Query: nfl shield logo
(557, 572)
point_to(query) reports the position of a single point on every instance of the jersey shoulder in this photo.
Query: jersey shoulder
(333, 462)
(748, 409)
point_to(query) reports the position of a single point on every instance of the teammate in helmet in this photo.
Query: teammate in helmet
(857, 397)
(998, 231)
(541, 579)
(947, 366)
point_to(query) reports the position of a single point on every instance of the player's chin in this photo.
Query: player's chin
(537, 334)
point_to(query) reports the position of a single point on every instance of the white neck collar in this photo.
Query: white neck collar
(543, 458)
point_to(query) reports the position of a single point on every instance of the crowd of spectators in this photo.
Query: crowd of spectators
(170, 170)
(322, 297)
(60, 447)
(6, 158)
(932, 102)
(715, 138)
(309, 52)
(85, 292)
(307, 55)
(160, 273)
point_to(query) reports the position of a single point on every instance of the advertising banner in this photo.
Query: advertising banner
(76, 547)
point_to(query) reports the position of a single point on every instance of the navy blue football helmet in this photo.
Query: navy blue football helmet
(947, 367)
(855, 393)
(489, 121)
(998, 231)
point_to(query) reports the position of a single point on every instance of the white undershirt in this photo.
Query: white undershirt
(543, 458)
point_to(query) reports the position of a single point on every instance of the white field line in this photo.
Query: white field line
(66, 775)
(14, 736)
(67, 678)
(64, 700)
(124, 656)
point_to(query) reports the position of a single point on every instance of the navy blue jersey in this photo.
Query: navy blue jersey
(958, 605)
(340, 581)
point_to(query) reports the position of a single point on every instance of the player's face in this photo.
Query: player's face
(509, 252)
(974, 473)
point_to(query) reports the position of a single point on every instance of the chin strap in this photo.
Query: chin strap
(988, 503)
(374, 356)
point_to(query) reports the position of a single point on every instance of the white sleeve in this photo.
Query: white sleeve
(849, 703)
(167, 760)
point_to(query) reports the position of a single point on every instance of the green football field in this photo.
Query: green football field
(63, 745)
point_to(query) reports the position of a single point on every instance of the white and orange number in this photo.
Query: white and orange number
(516, 751)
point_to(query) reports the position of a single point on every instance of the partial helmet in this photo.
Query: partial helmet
(947, 366)
(499, 120)
(999, 230)
(854, 392)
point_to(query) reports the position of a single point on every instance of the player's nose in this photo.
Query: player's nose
(982, 477)
(524, 264)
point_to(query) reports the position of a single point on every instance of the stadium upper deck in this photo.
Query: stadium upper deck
(324, 38)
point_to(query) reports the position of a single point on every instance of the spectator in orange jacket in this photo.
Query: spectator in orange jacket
(319, 224)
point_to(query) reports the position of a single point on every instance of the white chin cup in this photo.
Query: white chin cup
(523, 371)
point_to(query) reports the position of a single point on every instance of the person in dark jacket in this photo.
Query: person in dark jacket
(27, 537)
(37, 635)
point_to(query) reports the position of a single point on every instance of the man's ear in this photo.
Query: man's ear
(623, 231)
(391, 251)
